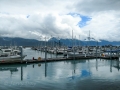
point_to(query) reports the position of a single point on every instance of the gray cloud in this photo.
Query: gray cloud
(97, 5)
(35, 18)
(20, 26)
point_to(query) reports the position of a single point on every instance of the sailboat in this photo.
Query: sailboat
(78, 52)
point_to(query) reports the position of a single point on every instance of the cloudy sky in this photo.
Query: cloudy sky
(37, 19)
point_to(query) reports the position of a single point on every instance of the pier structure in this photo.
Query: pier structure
(87, 51)
(76, 52)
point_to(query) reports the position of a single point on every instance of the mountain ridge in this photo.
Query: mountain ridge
(68, 42)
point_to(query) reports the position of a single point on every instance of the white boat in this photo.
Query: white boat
(9, 54)
(60, 50)
(14, 57)
(76, 54)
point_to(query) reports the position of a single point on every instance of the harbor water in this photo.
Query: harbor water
(86, 74)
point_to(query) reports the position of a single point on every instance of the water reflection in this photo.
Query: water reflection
(76, 73)
(45, 69)
(21, 73)
(33, 65)
(110, 65)
(84, 67)
(11, 69)
(117, 66)
(8, 68)
(96, 64)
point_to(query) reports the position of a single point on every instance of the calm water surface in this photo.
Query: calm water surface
(93, 74)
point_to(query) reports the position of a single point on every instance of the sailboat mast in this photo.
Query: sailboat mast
(79, 40)
(72, 38)
(89, 37)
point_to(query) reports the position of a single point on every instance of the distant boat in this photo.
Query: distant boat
(60, 51)
(79, 55)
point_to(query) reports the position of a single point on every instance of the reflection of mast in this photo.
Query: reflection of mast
(89, 65)
(72, 75)
(74, 65)
(11, 74)
(110, 65)
(45, 69)
(21, 73)
(118, 64)
(73, 71)
(96, 64)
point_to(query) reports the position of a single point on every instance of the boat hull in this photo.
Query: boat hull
(17, 57)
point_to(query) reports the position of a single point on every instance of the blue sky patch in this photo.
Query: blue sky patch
(28, 16)
(84, 20)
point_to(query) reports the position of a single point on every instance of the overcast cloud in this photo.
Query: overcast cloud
(38, 19)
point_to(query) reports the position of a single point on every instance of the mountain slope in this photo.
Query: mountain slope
(69, 42)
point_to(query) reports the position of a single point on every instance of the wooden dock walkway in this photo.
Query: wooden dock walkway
(50, 60)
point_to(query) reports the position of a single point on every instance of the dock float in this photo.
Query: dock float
(49, 60)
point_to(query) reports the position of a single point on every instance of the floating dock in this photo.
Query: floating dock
(39, 60)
